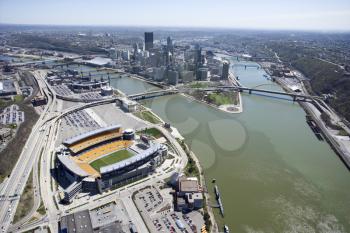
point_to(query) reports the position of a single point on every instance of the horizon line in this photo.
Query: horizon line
(218, 28)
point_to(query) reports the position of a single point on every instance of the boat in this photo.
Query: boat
(217, 192)
(226, 229)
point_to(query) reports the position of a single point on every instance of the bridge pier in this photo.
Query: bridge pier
(250, 91)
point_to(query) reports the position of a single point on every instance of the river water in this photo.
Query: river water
(274, 175)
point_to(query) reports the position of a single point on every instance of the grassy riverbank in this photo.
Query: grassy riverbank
(217, 98)
(152, 132)
(193, 169)
(223, 98)
(148, 116)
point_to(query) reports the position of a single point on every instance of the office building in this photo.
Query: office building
(169, 44)
(197, 54)
(136, 50)
(202, 74)
(173, 77)
(126, 55)
(112, 53)
(148, 40)
(187, 76)
(225, 70)
(159, 73)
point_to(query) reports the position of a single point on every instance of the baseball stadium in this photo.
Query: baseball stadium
(100, 159)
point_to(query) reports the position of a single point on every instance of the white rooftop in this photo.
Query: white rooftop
(100, 61)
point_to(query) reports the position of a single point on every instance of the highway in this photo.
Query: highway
(37, 199)
(41, 141)
(15, 184)
(47, 181)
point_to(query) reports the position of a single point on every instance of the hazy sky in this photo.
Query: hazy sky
(259, 14)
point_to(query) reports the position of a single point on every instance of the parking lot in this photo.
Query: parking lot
(160, 216)
(150, 198)
(178, 222)
(112, 114)
(91, 96)
(62, 90)
(80, 119)
(12, 115)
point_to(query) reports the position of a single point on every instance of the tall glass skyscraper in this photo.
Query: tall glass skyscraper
(148, 40)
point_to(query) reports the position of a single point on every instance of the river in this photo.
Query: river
(274, 175)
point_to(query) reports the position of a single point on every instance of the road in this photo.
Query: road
(37, 199)
(342, 147)
(42, 141)
(15, 184)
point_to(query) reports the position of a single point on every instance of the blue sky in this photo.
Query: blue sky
(255, 14)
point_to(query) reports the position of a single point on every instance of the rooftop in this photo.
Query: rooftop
(80, 137)
(100, 61)
(188, 185)
(7, 86)
(79, 222)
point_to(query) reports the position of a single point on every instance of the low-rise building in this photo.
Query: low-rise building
(128, 105)
(39, 100)
(187, 185)
(106, 91)
(189, 195)
(7, 88)
(79, 222)
(5, 133)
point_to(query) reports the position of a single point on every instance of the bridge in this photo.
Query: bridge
(296, 97)
(153, 94)
(246, 65)
(35, 62)
(172, 91)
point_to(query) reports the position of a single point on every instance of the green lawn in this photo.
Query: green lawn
(223, 98)
(198, 85)
(152, 132)
(110, 159)
(18, 98)
(148, 116)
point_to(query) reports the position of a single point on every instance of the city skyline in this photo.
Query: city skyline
(273, 15)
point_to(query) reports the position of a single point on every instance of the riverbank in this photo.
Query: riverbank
(212, 224)
(207, 210)
(224, 108)
(251, 156)
(340, 145)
